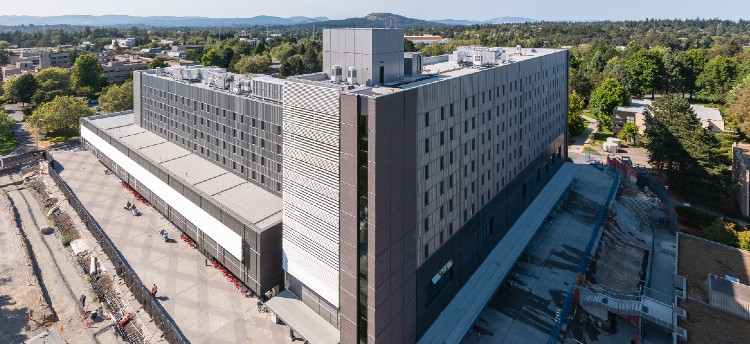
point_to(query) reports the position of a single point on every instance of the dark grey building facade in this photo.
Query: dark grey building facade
(240, 131)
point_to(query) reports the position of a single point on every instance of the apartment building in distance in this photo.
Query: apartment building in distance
(383, 187)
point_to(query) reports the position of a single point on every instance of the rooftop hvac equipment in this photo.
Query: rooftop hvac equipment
(351, 76)
(477, 59)
(336, 73)
(518, 49)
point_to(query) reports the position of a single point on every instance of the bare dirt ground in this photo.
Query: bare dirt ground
(57, 281)
(698, 258)
(21, 295)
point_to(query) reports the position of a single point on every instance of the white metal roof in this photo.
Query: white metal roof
(254, 204)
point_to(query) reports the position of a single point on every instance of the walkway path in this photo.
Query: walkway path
(25, 140)
(575, 150)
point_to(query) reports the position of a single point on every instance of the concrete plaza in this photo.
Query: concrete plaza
(206, 307)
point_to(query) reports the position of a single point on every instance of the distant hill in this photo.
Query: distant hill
(499, 20)
(376, 20)
(120, 20)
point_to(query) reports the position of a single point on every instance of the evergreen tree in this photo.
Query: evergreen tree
(677, 144)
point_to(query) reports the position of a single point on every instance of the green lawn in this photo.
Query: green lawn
(57, 136)
(600, 137)
(7, 144)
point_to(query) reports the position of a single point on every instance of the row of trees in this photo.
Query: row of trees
(85, 79)
(295, 56)
(57, 97)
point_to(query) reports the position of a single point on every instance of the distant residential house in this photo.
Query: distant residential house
(177, 54)
(427, 39)
(123, 43)
(151, 51)
(636, 112)
(18, 68)
(120, 69)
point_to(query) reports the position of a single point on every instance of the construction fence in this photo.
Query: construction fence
(140, 291)
(11, 163)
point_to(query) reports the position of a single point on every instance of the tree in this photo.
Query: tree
(605, 98)
(6, 123)
(672, 79)
(575, 108)
(597, 63)
(158, 62)
(629, 132)
(4, 53)
(580, 83)
(73, 56)
(60, 115)
(644, 65)
(409, 45)
(432, 49)
(615, 69)
(735, 92)
(312, 61)
(227, 54)
(211, 58)
(740, 110)
(52, 82)
(253, 64)
(717, 78)
(86, 75)
(260, 48)
(20, 89)
(692, 61)
(282, 52)
(292, 66)
(116, 98)
(690, 155)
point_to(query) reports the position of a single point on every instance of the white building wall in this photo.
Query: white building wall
(228, 239)
(311, 187)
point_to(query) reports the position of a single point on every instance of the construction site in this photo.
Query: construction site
(87, 271)
(58, 287)
(601, 269)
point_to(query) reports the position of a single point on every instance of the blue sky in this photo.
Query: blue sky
(426, 9)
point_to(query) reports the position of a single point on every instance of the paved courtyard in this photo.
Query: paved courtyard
(205, 306)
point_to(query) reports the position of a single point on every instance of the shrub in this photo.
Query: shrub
(695, 218)
(65, 240)
(744, 240)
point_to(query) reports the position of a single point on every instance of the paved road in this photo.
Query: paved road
(205, 306)
(575, 150)
(21, 130)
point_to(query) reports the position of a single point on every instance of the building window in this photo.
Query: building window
(439, 281)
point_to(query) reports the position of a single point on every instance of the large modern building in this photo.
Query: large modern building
(364, 196)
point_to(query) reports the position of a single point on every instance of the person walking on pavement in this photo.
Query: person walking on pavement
(153, 290)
